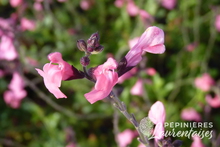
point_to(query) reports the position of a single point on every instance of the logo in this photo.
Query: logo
(176, 129)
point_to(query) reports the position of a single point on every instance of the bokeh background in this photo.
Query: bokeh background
(185, 78)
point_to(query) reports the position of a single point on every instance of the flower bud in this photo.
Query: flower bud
(93, 42)
(84, 61)
(98, 49)
(81, 44)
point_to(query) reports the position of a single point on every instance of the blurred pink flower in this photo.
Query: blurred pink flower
(125, 137)
(151, 71)
(138, 88)
(127, 75)
(61, 1)
(7, 48)
(27, 24)
(54, 74)
(6, 26)
(152, 41)
(157, 115)
(146, 18)
(204, 82)
(16, 3)
(217, 23)
(106, 78)
(86, 4)
(169, 4)
(132, 9)
(16, 91)
(119, 3)
(213, 102)
(191, 46)
(197, 142)
(71, 145)
(38, 6)
(190, 114)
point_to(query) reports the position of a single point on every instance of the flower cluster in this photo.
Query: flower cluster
(106, 75)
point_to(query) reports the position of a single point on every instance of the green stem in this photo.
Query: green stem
(122, 108)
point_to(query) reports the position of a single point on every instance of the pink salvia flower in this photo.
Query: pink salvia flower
(169, 4)
(7, 48)
(119, 3)
(213, 102)
(125, 137)
(204, 82)
(152, 41)
(132, 9)
(16, 3)
(86, 4)
(138, 88)
(16, 91)
(197, 142)
(38, 6)
(151, 71)
(217, 23)
(27, 24)
(157, 115)
(190, 114)
(54, 74)
(106, 78)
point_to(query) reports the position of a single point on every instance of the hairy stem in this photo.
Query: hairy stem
(122, 108)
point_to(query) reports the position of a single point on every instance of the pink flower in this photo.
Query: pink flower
(204, 82)
(61, 1)
(132, 9)
(213, 102)
(190, 114)
(151, 71)
(125, 137)
(71, 145)
(119, 3)
(106, 78)
(27, 24)
(191, 46)
(138, 88)
(54, 74)
(38, 6)
(217, 23)
(16, 3)
(197, 142)
(86, 4)
(152, 41)
(169, 4)
(16, 93)
(146, 18)
(7, 48)
(157, 115)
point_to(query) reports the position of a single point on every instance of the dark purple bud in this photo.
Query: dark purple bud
(84, 61)
(82, 46)
(98, 49)
(77, 74)
(93, 42)
(90, 49)
(122, 67)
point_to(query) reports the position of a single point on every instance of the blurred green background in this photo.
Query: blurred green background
(44, 121)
